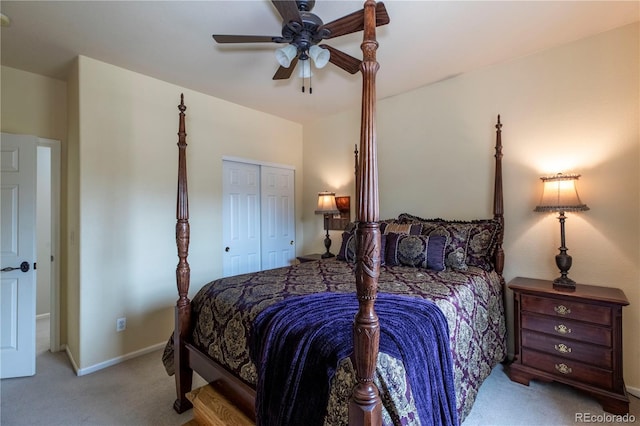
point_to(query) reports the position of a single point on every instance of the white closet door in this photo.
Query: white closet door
(278, 217)
(241, 218)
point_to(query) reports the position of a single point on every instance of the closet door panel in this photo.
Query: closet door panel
(241, 218)
(278, 217)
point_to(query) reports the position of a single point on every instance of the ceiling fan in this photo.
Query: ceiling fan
(303, 31)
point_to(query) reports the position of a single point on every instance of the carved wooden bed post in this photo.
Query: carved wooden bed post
(498, 205)
(184, 374)
(365, 407)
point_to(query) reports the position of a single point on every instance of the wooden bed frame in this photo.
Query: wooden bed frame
(365, 405)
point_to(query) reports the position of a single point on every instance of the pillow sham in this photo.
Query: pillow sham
(416, 250)
(469, 243)
(402, 228)
(348, 246)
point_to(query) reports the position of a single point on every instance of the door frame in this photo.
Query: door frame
(54, 310)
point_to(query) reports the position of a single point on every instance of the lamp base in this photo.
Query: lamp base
(564, 284)
(327, 241)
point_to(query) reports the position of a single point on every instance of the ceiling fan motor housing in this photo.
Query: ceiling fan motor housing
(306, 35)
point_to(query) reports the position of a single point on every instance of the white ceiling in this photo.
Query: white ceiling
(425, 42)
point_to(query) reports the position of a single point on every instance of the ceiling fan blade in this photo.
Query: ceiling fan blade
(284, 73)
(288, 9)
(343, 60)
(244, 39)
(354, 22)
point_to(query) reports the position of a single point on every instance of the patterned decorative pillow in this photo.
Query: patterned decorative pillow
(402, 228)
(456, 260)
(473, 242)
(416, 250)
(348, 247)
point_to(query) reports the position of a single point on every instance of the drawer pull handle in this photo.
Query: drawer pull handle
(564, 368)
(562, 310)
(562, 348)
(562, 329)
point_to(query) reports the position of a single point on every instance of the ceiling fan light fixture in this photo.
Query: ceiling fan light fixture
(285, 55)
(304, 69)
(319, 55)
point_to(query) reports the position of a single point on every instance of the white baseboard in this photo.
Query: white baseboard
(633, 391)
(113, 361)
(43, 316)
(65, 348)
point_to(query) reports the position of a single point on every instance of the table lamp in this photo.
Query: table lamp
(327, 206)
(560, 195)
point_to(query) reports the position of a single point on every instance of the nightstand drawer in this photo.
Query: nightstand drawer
(568, 369)
(570, 349)
(568, 329)
(567, 309)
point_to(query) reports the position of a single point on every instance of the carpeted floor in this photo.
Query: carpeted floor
(139, 392)
(503, 402)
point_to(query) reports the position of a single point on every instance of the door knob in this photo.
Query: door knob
(24, 267)
(227, 249)
(291, 242)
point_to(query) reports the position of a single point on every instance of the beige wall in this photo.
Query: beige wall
(569, 109)
(127, 196)
(33, 105)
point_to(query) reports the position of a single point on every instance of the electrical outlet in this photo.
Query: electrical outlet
(121, 324)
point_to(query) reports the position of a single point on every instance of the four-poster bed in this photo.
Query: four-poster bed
(215, 334)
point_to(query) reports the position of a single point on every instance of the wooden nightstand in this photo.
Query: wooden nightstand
(309, 257)
(570, 337)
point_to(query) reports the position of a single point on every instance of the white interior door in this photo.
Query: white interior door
(241, 218)
(278, 217)
(17, 240)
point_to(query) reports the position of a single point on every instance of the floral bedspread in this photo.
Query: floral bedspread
(472, 302)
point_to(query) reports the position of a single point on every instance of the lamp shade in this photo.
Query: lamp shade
(559, 194)
(319, 55)
(327, 203)
(285, 55)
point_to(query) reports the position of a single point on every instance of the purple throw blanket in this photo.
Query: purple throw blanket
(297, 343)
